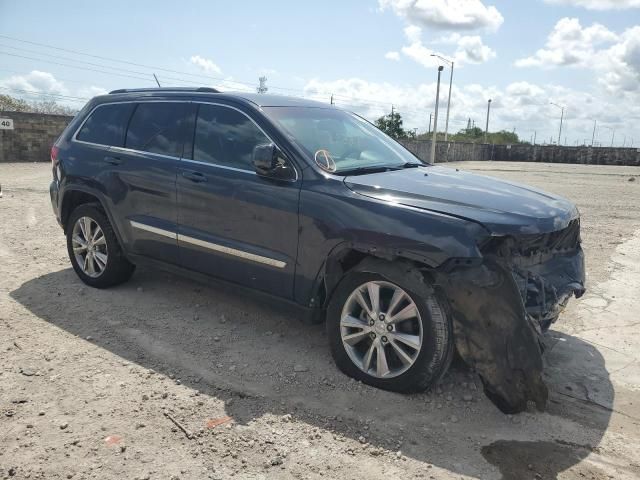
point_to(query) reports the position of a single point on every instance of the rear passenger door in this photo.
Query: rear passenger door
(143, 177)
(232, 223)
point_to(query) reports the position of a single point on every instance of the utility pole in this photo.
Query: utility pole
(486, 129)
(561, 119)
(430, 118)
(450, 62)
(435, 119)
(332, 99)
(613, 135)
(593, 137)
(535, 134)
(262, 88)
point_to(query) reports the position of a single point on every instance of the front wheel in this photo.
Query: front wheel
(386, 335)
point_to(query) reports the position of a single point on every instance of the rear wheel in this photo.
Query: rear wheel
(94, 250)
(385, 334)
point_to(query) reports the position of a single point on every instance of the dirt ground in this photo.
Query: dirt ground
(166, 378)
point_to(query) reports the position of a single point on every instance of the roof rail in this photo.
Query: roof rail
(165, 89)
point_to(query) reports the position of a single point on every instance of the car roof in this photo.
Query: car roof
(256, 99)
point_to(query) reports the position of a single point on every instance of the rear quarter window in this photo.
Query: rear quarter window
(106, 125)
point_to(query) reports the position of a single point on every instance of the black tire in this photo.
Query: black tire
(118, 269)
(437, 347)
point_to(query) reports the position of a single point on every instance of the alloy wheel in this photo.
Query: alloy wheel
(89, 247)
(381, 329)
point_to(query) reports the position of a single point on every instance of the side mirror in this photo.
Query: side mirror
(269, 162)
(265, 158)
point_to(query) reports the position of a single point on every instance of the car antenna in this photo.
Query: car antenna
(154, 76)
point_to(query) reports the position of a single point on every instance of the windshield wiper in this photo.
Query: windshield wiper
(365, 170)
(412, 165)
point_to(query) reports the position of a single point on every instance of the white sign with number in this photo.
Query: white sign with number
(6, 124)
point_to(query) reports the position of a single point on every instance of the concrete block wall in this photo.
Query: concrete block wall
(32, 136)
(450, 152)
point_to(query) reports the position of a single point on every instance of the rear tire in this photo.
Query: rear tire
(94, 251)
(417, 351)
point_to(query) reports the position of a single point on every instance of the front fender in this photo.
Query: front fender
(494, 335)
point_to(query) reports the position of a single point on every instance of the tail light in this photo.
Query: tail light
(54, 155)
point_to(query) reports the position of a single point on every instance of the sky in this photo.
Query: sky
(524, 55)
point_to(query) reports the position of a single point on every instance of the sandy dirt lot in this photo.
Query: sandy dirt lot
(166, 378)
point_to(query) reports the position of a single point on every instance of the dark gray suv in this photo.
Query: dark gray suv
(406, 261)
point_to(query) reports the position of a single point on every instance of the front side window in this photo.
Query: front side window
(158, 128)
(225, 136)
(339, 141)
(106, 125)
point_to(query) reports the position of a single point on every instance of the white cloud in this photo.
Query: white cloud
(395, 56)
(621, 64)
(446, 14)
(472, 50)
(615, 58)
(92, 91)
(36, 81)
(598, 4)
(205, 64)
(469, 49)
(570, 43)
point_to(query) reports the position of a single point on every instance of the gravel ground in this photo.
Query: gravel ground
(166, 378)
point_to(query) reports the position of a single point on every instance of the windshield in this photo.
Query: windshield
(339, 141)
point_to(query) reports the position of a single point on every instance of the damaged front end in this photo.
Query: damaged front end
(501, 305)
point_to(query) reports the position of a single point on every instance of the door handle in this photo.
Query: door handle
(194, 176)
(113, 160)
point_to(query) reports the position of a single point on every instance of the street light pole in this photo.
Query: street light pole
(486, 129)
(450, 62)
(435, 119)
(593, 137)
(561, 119)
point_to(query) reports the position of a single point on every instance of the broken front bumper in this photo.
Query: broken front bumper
(501, 307)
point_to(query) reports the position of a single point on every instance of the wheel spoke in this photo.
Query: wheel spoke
(366, 360)
(101, 260)
(404, 356)
(353, 322)
(87, 228)
(398, 295)
(80, 241)
(363, 303)
(88, 265)
(373, 289)
(412, 341)
(100, 240)
(355, 338)
(80, 223)
(407, 312)
(382, 368)
(96, 233)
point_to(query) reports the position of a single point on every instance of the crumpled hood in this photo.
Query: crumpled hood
(502, 207)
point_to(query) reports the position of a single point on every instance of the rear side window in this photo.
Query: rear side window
(106, 125)
(226, 137)
(158, 128)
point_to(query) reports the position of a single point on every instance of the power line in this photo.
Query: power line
(55, 95)
(302, 93)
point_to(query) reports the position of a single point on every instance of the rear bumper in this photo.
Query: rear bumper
(54, 193)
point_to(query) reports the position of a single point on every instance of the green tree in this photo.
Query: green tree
(391, 125)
